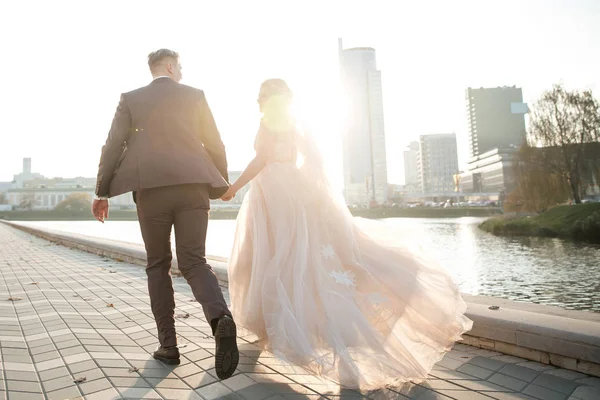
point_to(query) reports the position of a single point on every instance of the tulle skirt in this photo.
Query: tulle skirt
(343, 297)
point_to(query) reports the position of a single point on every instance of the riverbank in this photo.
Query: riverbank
(372, 213)
(575, 222)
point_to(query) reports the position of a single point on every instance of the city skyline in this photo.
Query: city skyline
(61, 105)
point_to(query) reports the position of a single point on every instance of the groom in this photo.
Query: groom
(165, 147)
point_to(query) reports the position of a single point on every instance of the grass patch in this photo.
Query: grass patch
(577, 222)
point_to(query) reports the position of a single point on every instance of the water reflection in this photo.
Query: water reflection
(533, 270)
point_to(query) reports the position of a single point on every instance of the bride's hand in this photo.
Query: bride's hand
(229, 194)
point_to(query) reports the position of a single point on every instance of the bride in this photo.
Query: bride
(324, 290)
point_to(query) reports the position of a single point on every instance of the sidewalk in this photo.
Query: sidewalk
(74, 325)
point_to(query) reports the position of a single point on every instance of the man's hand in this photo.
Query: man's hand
(100, 209)
(229, 194)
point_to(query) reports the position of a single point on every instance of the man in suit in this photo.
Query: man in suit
(164, 146)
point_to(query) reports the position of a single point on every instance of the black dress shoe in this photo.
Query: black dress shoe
(168, 355)
(227, 355)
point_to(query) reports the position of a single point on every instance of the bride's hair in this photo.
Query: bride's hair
(274, 88)
(275, 99)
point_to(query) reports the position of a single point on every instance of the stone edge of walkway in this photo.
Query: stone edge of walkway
(550, 335)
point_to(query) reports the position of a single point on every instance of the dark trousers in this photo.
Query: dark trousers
(186, 207)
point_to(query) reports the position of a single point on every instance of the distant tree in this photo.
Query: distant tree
(566, 120)
(537, 186)
(3, 199)
(27, 202)
(75, 203)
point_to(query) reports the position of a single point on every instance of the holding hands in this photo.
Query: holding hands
(230, 194)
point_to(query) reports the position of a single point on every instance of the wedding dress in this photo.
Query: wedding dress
(340, 296)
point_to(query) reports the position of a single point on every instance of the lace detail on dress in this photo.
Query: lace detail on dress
(327, 252)
(344, 277)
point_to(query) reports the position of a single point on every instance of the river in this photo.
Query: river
(534, 270)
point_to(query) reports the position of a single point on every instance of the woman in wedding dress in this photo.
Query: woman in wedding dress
(321, 289)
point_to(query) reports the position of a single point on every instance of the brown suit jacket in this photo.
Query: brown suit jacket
(162, 134)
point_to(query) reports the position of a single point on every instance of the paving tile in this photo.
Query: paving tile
(452, 375)
(507, 382)
(136, 357)
(11, 358)
(591, 381)
(95, 386)
(586, 393)
(58, 383)
(77, 358)
(187, 370)
(239, 382)
(153, 364)
(119, 372)
(199, 380)
(487, 363)
(485, 353)
(177, 394)
(509, 396)
(42, 349)
(258, 392)
(20, 376)
(33, 338)
(53, 373)
(25, 396)
(167, 383)
(440, 384)
(543, 393)
(62, 394)
(39, 342)
(451, 363)
(463, 395)
(129, 382)
(107, 394)
(11, 366)
(73, 350)
(215, 391)
(475, 371)
(82, 366)
(92, 374)
(22, 386)
(46, 365)
(519, 372)
(140, 393)
(129, 349)
(430, 395)
(106, 355)
(536, 366)
(566, 374)
(481, 386)
(555, 383)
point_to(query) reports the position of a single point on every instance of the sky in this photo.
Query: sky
(65, 64)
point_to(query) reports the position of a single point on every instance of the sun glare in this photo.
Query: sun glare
(322, 115)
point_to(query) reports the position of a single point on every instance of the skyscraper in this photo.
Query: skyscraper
(365, 166)
(27, 166)
(411, 165)
(438, 163)
(496, 118)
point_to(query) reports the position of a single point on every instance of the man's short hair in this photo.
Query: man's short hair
(157, 57)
